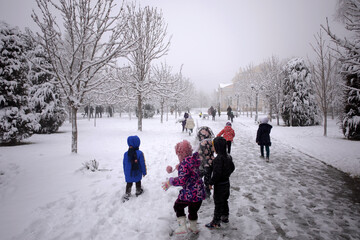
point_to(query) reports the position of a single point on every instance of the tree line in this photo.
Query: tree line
(74, 60)
(305, 92)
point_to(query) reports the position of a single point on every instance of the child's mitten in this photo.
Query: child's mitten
(166, 185)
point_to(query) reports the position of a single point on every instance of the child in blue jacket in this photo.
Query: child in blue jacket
(134, 166)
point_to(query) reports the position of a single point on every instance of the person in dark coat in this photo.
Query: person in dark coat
(263, 137)
(223, 166)
(134, 166)
(229, 110)
(232, 117)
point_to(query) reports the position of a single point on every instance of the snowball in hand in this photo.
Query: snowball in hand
(169, 169)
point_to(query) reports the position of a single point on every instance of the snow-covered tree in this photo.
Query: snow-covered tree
(92, 37)
(324, 76)
(166, 88)
(348, 11)
(271, 75)
(148, 29)
(299, 104)
(16, 118)
(45, 97)
(185, 100)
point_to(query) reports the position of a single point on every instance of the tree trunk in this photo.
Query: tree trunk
(74, 132)
(325, 123)
(167, 112)
(162, 110)
(140, 113)
(70, 113)
(176, 111)
(95, 120)
(88, 112)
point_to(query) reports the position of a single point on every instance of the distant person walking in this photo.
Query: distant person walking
(190, 124)
(228, 110)
(263, 138)
(229, 135)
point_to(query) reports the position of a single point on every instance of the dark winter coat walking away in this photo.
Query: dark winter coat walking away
(263, 137)
(223, 166)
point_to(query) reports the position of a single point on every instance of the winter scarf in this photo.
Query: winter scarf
(133, 159)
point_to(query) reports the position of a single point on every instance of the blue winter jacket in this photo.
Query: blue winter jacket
(134, 141)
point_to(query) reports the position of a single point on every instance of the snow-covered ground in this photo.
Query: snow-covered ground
(46, 194)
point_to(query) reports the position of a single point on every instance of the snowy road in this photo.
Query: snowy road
(46, 195)
(291, 197)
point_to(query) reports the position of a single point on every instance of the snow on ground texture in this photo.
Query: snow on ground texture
(45, 193)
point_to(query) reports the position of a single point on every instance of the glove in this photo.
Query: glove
(166, 185)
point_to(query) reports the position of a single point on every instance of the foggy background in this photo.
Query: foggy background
(213, 39)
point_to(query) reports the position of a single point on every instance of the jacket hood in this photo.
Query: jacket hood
(183, 149)
(227, 127)
(220, 145)
(265, 120)
(266, 125)
(133, 141)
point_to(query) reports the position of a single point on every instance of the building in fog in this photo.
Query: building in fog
(226, 96)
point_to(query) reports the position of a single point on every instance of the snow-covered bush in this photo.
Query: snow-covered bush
(148, 111)
(299, 103)
(91, 165)
(16, 118)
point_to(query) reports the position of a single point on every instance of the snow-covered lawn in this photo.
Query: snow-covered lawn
(46, 194)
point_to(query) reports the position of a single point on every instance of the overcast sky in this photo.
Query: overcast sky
(213, 39)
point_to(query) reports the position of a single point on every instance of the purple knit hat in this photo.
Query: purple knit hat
(183, 149)
(228, 124)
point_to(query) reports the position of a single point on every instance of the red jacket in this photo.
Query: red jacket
(228, 132)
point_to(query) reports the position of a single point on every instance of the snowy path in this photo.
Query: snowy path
(292, 197)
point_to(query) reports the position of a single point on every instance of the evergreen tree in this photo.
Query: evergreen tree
(351, 115)
(348, 12)
(16, 118)
(298, 105)
(44, 95)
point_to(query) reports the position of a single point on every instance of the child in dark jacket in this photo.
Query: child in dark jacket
(192, 193)
(134, 166)
(223, 166)
(263, 137)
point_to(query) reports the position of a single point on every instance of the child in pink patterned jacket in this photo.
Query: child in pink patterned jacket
(192, 193)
